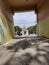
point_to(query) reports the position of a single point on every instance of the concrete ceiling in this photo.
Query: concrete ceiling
(22, 2)
(25, 5)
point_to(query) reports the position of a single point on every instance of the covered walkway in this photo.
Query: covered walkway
(26, 51)
(9, 7)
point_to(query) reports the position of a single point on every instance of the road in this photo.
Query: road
(26, 51)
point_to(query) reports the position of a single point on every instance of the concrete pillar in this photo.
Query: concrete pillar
(43, 20)
(6, 21)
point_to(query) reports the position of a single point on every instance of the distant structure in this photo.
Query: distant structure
(24, 31)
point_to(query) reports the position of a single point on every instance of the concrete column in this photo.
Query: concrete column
(43, 20)
(6, 23)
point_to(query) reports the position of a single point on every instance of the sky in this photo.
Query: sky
(25, 19)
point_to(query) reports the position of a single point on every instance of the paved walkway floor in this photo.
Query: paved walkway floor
(26, 51)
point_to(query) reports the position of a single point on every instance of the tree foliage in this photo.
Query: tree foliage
(32, 29)
(18, 30)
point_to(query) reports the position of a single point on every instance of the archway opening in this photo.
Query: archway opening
(25, 24)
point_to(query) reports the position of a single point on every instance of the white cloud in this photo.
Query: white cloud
(25, 18)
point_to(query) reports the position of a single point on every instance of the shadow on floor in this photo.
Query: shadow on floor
(28, 58)
(24, 44)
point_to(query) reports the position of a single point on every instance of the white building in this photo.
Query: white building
(24, 31)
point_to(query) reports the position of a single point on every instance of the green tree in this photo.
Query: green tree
(18, 30)
(32, 29)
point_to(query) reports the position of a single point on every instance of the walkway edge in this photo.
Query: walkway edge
(8, 42)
